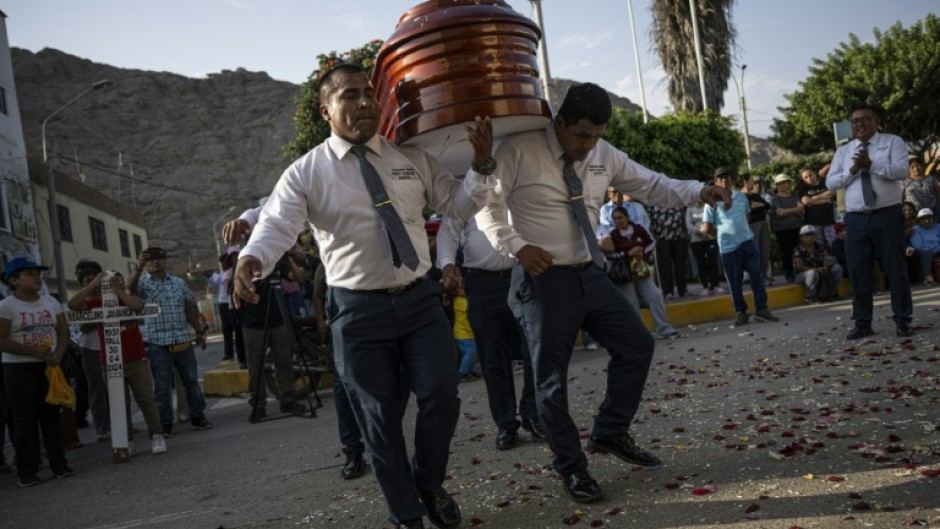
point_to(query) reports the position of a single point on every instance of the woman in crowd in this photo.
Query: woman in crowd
(786, 219)
(923, 191)
(634, 242)
(33, 334)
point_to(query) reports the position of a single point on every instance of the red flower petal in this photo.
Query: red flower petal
(836, 478)
(752, 507)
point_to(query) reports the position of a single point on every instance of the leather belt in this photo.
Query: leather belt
(400, 289)
(576, 267)
(506, 272)
(874, 211)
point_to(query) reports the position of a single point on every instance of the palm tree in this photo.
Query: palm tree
(672, 32)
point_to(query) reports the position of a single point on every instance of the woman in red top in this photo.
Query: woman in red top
(137, 378)
(634, 242)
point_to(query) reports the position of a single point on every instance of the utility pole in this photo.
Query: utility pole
(544, 74)
(636, 58)
(742, 105)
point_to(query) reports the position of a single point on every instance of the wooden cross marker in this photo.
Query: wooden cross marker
(109, 315)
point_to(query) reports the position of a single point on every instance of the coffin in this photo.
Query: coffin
(451, 60)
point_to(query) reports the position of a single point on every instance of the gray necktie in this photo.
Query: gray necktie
(403, 251)
(576, 198)
(868, 193)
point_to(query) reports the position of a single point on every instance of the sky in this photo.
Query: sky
(587, 40)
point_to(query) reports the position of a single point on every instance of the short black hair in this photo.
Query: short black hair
(620, 209)
(85, 268)
(586, 101)
(327, 83)
(865, 106)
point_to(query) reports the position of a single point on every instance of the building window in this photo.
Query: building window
(3, 101)
(99, 238)
(65, 223)
(125, 243)
(138, 245)
(4, 209)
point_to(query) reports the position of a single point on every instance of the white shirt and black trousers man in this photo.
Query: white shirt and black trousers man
(498, 336)
(575, 292)
(384, 314)
(875, 224)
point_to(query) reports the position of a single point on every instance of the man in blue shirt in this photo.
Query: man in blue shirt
(738, 251)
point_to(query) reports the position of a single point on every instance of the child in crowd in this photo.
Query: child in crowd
(464, 336)
(33, 334)
(925, 243)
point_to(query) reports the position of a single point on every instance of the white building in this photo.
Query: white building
(18, 228)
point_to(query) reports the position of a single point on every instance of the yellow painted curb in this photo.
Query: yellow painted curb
(234, 382)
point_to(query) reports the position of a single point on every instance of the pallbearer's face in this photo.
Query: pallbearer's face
(351, 109)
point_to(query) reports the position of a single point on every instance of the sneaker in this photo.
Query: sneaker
(591, 347)
(769, 281)
(64, 473)
(158, 444)
(28, 481)
(167, 431)
(765, 316)
(705, 292)
(741, 319)
(718, 291)
(671, 335)
(200, 423)
(102, 437)
(668, 297)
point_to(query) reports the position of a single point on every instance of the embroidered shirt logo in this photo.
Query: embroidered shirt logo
(404, 174)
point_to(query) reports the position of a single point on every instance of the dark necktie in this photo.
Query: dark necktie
(868, 193)
(403, 251)
(576, 199)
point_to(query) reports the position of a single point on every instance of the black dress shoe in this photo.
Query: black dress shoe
(354, 467)
(443, 511)
(507, 438)
(581, 487)
(417, 523)
(624, 447)
(860, 331)
(534, 427)
(904, 330)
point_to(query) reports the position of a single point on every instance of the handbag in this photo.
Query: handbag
(60, 393)
(640, 268)
(618, 271)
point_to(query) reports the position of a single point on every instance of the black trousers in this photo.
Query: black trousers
(786, 242)
(26, 387)
(672, 260)
(878, 235)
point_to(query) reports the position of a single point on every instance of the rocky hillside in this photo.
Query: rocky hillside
(197, 146)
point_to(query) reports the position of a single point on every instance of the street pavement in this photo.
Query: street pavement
(770, 425)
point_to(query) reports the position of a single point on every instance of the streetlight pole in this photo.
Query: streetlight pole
(698, 53)
(215, 230)
(53, 202)
(743, 107)
(636, 58)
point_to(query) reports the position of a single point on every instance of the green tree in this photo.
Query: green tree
(899, 72)
(672, 32)
(685, 145)
(311, 129)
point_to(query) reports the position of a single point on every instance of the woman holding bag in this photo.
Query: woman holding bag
(33, 334)
(636, 245)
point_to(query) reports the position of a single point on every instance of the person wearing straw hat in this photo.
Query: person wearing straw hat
(785, 219)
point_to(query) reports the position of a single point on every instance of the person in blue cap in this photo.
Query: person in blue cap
(33, 334)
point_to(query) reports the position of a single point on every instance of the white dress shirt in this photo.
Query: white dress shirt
(477, 250)
(888, 155)
(530, 183)
(326, 188)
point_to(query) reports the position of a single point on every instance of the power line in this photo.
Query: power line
(154, 184)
